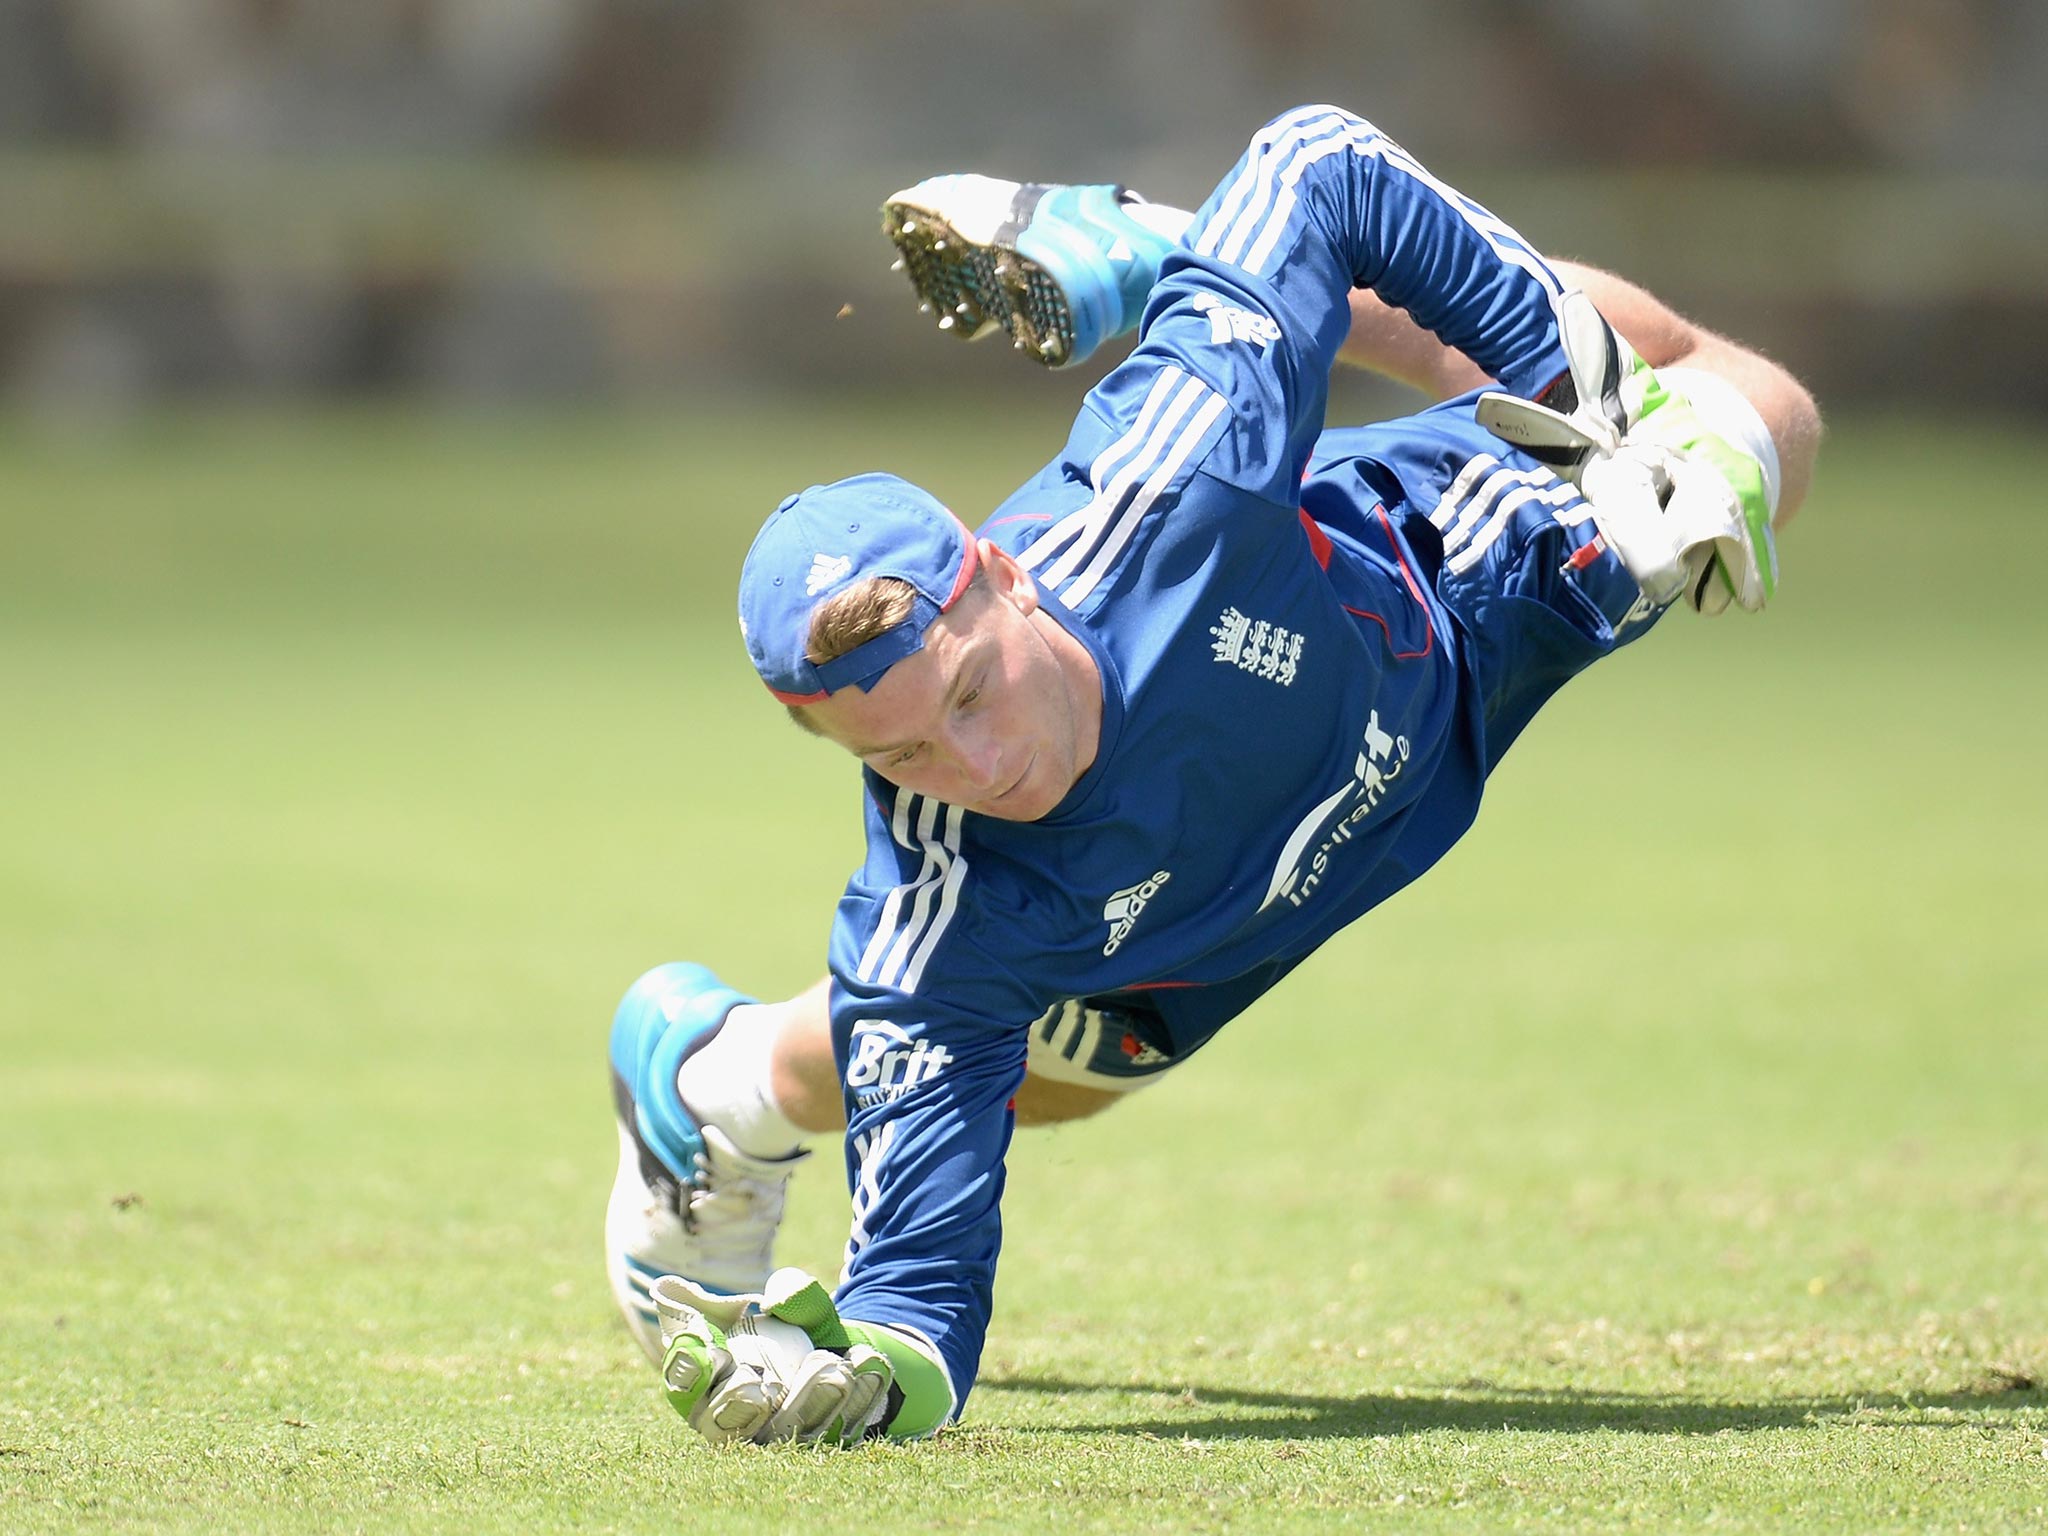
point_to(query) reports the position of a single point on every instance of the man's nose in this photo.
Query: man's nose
(977, 755)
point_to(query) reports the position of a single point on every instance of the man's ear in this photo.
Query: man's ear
(1006, 578)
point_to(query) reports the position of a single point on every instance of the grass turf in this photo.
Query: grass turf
(1672, 1156)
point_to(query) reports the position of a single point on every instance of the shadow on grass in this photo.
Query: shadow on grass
(1482, 1406)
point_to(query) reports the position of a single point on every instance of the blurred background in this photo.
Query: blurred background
(598, 199)
(388, 391)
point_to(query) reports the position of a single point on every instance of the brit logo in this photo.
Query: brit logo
(1252, 645)
(1122, 910)
(826, 569)
(1228, 323)
(885, 1063)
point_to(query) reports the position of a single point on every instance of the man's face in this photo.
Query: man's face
(998, 714)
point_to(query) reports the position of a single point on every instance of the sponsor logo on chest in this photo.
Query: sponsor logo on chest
(1299, 871)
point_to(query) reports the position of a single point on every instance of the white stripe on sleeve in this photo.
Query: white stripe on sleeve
(1127, 524)
(1248, 225)
(1178, 414)
(903, 940)
(1078, 530)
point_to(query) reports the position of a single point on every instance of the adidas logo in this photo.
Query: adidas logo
(825, 570)
(1123, 909)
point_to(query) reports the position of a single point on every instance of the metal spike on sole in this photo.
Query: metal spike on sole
(978, 289)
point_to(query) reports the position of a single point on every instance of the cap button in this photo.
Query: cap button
(789, 501)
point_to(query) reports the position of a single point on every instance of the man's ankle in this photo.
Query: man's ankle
(730, 1083)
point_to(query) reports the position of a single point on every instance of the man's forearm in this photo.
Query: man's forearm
(1386, 341)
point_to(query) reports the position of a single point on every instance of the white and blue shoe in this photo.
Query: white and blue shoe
(1061, 269)
(686, 1200)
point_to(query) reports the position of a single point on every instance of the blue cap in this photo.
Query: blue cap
(824, 540)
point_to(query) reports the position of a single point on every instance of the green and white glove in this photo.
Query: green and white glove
(783, 1365)
(1671, 518)
(1723, 493)
(1611, 401)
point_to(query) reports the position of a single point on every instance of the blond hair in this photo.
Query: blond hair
(847, 620)
(850, 619)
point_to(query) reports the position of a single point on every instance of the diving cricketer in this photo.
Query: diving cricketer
(1213, 684)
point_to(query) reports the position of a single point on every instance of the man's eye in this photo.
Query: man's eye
(969, 697)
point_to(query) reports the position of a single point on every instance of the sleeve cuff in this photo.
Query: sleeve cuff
(928, 1402)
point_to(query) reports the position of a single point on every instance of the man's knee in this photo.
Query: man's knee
(1040, 1101)
(1082, 1057)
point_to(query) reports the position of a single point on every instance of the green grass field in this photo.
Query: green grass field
(1674, 1156)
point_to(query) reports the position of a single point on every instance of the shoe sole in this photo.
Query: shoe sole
(624, 1219)
(975, 287)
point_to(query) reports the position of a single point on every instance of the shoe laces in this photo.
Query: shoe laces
(732, 1204)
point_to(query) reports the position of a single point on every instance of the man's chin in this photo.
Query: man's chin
(1017, 810)
(1026, 800)
(1016, 807)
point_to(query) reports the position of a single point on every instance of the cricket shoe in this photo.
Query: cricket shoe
(686, 1200)
(1061, 269)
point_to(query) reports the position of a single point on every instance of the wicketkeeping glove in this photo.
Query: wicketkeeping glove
(1722, 497)
(1609, 398)
(1586, 413)
(783, 1365)
(1667, 517)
